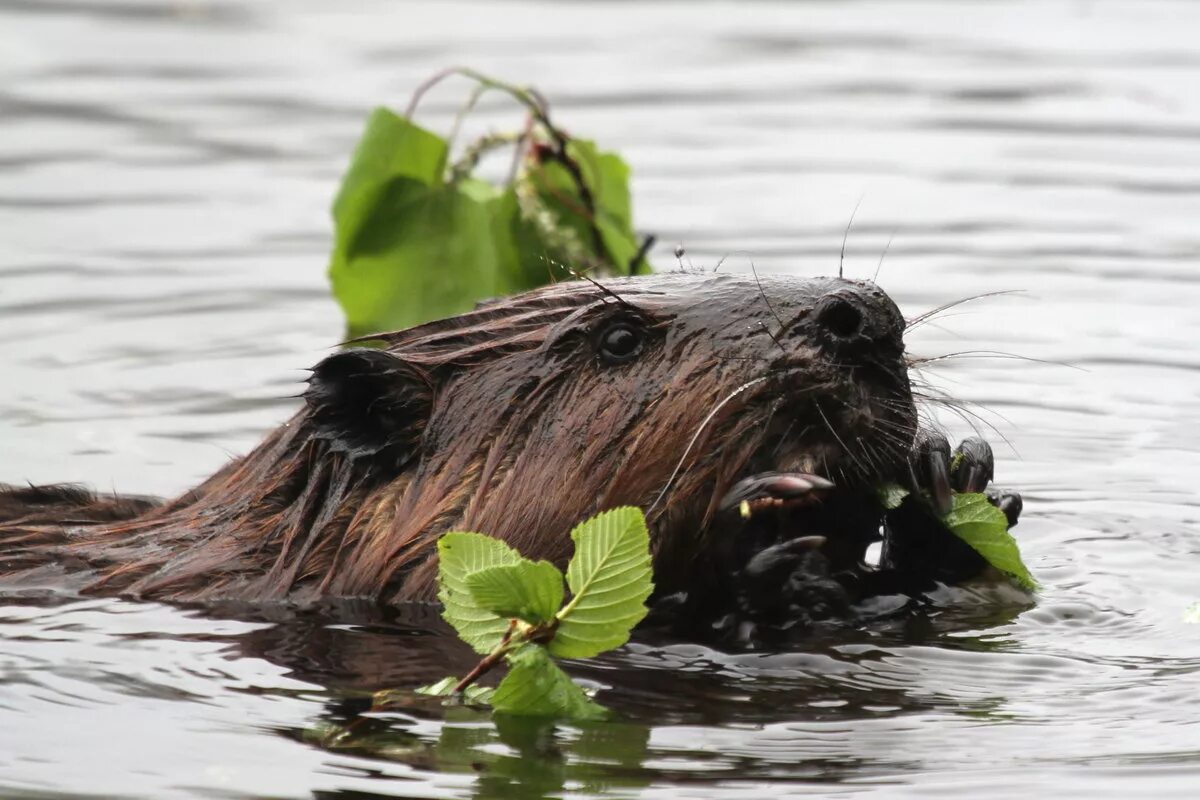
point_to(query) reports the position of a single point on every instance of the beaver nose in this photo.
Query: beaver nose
(839, 316)
(852, 316)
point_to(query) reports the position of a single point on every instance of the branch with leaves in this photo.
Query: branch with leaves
(515, 611)
(419, 236)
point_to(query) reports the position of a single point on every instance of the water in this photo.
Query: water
(165, 174)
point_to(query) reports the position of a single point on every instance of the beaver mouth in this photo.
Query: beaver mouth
(839, 522)
(823, 482)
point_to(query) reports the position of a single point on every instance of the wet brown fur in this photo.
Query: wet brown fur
(505, 420)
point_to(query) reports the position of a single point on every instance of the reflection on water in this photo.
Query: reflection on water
(165, 174)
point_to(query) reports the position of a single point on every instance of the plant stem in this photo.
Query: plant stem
(539, 109)
(476, 93)
(482, 668)
(559, 154)
(640, 255)
(490, 660)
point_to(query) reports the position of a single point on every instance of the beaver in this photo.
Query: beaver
(695, 397)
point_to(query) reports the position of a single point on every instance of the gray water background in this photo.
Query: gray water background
(165, 176)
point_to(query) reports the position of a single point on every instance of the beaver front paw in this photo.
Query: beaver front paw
(919, 551)
(781, 592)
(938, 472)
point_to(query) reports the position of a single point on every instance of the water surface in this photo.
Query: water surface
(165, 175)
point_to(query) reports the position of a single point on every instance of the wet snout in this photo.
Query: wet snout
(853, 317)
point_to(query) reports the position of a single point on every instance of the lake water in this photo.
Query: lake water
(165, 175)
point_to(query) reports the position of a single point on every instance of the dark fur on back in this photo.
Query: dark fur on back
(507, 421)
(66, 503)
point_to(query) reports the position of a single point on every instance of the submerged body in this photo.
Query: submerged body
(689, 396)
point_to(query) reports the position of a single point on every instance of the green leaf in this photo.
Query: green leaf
(536, 686)
(459, 555)
(607, 177)
(479, 695)
(442, 688)
(530, 591)
(422, 253)
(983, 526)
(409, 247)
(610, 579)
(391, 148)
(527, 259)
(891, 495)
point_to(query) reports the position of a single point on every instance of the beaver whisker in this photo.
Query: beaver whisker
(960, 409)
(895, 441)
(870, 465)
(846, 234)
(889, 432)
(927, 390)
(926, 316)
(967, 405)
(783, 438)
(874, 458)
(896, 434)
(770, 307)
(761, 293)
(847, 450)
(767, 331)
(886, 247)
(1000, 354)
(695, 437)
(891, 437)
(891, 404)
(609, 292)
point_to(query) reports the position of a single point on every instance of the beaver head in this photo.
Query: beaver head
(529, 414)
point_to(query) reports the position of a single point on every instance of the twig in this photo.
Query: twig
(488, 662)
(461, 116)
(539, 109)
(523, 142)
(640, 255)
(559, 154)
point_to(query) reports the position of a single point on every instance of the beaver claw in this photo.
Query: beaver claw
(972, 465)
(970, 468)
(1008, 502)
(772, 563)
(929, 469)
(776, 488)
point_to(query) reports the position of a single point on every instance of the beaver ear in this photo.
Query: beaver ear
(370, 403)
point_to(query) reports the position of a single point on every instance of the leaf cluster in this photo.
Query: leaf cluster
(418, 237)
(510, 608)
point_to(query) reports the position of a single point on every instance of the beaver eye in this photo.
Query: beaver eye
(620, 342)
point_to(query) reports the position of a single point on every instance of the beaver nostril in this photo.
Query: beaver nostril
(840, 317)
